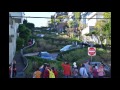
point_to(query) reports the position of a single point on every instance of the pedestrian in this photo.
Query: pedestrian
(83, 72)
(37, 74)
(42, 69)
(75, 72)
(66, 69)
(9, 71)
(96, 66)
(87, 66)
(101, 71)
(90, 70)
(95, 73)
(14, 68)
(55, 72)
(46, 72)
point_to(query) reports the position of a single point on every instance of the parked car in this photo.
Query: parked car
(45, 55)
(40, 35)
(107, 68)
(69, 47)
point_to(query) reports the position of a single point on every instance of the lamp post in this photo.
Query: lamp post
(101, 40)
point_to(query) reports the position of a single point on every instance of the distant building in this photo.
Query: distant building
(13, 26)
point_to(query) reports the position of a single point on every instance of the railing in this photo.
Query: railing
(23, 57)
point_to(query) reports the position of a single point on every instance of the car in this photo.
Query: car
(48, 29)
(69, 47)
(45, 55)
(40, 35)
(107, 68)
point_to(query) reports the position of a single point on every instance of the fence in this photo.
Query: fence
(23, 57)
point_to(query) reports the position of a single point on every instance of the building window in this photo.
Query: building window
(10, 39)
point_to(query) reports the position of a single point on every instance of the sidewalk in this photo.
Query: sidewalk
(19, 65)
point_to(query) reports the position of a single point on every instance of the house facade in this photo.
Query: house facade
(89, 19)
(13, 27)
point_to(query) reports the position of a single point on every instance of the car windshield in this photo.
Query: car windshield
(45, 54)
(66, 47)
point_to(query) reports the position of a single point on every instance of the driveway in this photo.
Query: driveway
(31, 54)
(54, 55)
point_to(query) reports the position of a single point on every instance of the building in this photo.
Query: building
(70, 15)
(89, 20)
(13, 26)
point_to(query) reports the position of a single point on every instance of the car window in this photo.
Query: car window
(45, 54)
(66, 47)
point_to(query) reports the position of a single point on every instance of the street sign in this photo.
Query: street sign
(91, 51)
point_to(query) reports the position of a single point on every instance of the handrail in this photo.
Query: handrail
(23, 57)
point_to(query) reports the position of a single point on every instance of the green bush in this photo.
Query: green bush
(81, 55)
(54, 50)
(29, 71)
(19, 43)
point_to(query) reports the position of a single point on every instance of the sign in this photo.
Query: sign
(91, 51)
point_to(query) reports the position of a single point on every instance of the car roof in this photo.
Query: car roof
(67, 45)
(44, 52)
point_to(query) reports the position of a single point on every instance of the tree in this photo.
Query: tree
(25, 21)
(71, 24)
(107, 15)
(107, 29)
(20, 43)
(24, 32)
(103, 27)
(77, 17)
(30, 25)
(77, 23)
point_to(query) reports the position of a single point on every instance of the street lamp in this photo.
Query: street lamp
(100, 39)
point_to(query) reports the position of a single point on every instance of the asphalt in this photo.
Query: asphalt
(19, 65)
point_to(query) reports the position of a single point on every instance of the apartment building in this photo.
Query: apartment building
(13, 27)
(89, 19)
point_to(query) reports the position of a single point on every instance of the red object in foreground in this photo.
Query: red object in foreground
(91, 51)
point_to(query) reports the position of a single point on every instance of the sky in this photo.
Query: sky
(38, 22)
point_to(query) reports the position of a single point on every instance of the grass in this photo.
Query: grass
(81, 55)
(29, 71)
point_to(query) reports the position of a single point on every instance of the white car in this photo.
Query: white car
(68, 47)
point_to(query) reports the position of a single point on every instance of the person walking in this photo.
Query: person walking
(100, 71)
(83, 72)
(95, 73)
(14, 69)
(66, 69)
(55, 72)
(75, 72)
(37, 74)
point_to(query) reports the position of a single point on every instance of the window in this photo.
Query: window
(10, 39)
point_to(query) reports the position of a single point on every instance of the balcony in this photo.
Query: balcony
(91, 15)
(18, 20)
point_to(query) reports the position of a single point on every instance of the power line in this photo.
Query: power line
(54, 18)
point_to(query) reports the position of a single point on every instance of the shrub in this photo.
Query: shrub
(48, 47)
(40, 62)
(80, 55)
(54, 50)
(19, 43)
